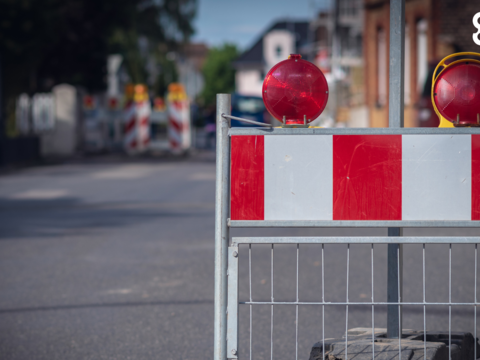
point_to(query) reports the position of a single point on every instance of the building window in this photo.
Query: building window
(344, 7)
(422, 54)
(355, 5)
(278, 50)
(348, 7)
(381, 67)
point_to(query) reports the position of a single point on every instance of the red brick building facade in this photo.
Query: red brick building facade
(434, 29)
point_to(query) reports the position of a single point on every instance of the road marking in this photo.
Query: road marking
(39, 194)
(128, 172)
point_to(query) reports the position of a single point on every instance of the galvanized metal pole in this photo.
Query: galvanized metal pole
(336, 53)
(394, 284)
(222, 193)
(395, 120)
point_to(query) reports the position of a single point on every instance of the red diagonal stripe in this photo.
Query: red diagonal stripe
(176, 125)
(144, 121)
(129, 126)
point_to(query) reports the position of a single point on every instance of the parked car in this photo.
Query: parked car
(249, 107)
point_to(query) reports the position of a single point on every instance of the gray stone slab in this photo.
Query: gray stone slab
(360, 346)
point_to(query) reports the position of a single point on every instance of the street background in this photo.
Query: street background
(107, 171)
(113, 259)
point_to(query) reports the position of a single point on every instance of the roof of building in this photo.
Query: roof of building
(254, 55)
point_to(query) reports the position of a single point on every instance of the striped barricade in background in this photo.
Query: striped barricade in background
(137, 122)
(178, 109)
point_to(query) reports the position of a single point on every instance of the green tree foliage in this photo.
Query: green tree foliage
(46, 42)
(168, 74)
(218, 72)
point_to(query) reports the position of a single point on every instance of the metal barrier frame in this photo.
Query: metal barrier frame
(225, 256)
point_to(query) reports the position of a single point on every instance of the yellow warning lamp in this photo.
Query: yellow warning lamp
(456, 91)
(129, 91)
(140, 93)
(176, 92)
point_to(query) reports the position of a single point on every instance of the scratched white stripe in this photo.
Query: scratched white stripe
(436, 177)
(298, 177)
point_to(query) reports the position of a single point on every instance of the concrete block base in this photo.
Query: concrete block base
(359, 346)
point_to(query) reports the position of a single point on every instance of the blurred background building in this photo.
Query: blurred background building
(333, 40)
(64, 68)
(337, 50)
(275, 44)
(190, 64)
(433, 30)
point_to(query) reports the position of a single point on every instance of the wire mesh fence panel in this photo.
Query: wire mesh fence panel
(297, 294)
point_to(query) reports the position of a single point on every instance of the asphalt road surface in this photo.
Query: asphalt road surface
(113, 259)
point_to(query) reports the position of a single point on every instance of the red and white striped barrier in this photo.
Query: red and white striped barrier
(137, 126)
(179, 125)
(355, 177)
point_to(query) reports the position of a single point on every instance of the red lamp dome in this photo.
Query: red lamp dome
(457, 93)
(295, 89)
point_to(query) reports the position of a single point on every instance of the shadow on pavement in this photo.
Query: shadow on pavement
(70, 216)
(106, 305)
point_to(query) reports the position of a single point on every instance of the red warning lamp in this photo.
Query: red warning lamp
(456, 91)
(159, 104)
(295, 91)
(112, 103)
(88, 102)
